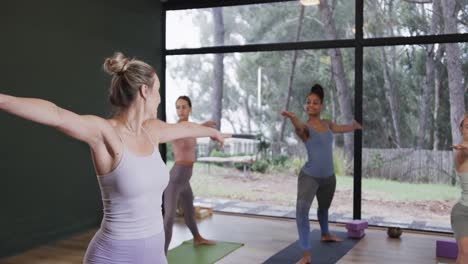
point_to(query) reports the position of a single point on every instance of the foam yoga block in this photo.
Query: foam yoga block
(446, 249)
(356, 225)
(356, 233)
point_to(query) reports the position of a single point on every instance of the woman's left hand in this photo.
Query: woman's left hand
(462, 147)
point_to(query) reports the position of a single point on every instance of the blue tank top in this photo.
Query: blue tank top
(320, 154)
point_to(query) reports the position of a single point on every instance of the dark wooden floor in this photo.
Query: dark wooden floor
(262, 237)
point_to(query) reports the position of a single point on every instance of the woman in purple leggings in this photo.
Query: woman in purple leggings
(124, 149)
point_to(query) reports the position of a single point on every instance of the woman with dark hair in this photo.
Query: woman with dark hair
(459, 215)
(179, 188)
(317, 177)
(124, 150)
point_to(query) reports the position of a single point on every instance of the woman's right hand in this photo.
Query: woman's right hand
(288, 114)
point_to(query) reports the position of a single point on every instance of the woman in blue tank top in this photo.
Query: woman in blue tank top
(459, 214)
(317, 177)
(124, 149)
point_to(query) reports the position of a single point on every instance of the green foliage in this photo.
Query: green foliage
(339, 164)
(295, 165)
(263, 145)
(279, 160)
(217, 153)
(377, 160)
(260, 166)
(169, 153)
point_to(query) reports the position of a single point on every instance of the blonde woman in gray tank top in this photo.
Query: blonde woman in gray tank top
(459, 215)
(130, 171)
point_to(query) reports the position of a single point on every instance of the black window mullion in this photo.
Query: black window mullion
(358, 93)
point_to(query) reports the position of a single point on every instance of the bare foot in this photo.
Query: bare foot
(330, 238)
(304, 260)
(197, 241)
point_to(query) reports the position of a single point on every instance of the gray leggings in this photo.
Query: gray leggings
(459, 220)
(307, 188)
(179, 188)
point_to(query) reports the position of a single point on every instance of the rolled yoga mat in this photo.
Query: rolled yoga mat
(203, 254)
(245, 136)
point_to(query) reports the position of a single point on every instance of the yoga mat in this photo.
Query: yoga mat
(321, 252)
(188, 253)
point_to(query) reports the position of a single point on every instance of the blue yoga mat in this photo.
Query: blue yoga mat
(321, 252)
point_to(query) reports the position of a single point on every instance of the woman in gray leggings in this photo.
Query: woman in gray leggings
(179, 184)
(317, 177)
(459, 215)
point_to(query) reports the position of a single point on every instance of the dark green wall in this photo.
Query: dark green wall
(54, 49)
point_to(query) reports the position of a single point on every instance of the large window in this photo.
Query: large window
(390, 18)
(255, 85)
(408, 171)
(257, 24)
(408, 96)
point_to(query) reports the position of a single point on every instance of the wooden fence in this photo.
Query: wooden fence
(408, 165)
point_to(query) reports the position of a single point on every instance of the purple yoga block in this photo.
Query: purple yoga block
(446, 249)
(356, 225)
(356, 233)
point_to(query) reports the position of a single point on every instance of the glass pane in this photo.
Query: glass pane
(407, 166)
(259, 23)
(255, 88)
(396, 18)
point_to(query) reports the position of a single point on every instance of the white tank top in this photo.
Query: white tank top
(132, 196)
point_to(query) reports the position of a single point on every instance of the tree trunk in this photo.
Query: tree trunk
(436, 27)
(437, 84)
(218, 68)
(455, 75)
(425, 95)
(245, 104)
(277, 150)
(344, 99)
(218, 71)
(390, 94)
(428, 84)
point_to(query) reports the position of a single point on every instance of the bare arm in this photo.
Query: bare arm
(343, 128)
(462, 150)
(209, 124)
(165, 132)
(300, 128)
(83, 128)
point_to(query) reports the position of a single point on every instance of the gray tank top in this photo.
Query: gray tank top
(464, 187)
(320, 154)
(132, 196)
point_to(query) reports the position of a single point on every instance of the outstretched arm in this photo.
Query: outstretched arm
(343, 128)
(301, 129)
(462, 148)
(83, 128)
(164, 132)
(209, 124)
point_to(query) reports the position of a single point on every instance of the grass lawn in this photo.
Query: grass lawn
(226, 183)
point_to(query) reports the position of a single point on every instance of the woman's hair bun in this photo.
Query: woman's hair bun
(116, 64)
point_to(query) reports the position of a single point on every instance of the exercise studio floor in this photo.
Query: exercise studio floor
(263, 237)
